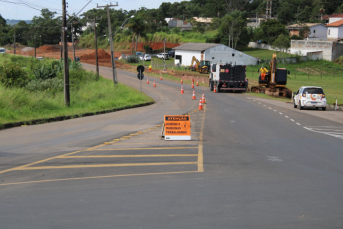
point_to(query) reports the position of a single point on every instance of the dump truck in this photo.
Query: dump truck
(273, 81)
(229, 77)
(202, 66)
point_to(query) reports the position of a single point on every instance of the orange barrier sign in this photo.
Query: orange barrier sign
(177, 127)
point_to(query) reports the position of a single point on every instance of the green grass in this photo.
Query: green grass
(88, 96)
(321, 73)
(263, 53)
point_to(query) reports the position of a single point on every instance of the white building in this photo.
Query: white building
(212, 52)
(175, 22)
(317, 31)
(335, 30)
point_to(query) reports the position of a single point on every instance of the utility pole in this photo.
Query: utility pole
(164, 53)
(61, 44)
(35, 41)
(115, 80)
(14, 41)
(96, 46)
(65, 58)
(72, 41)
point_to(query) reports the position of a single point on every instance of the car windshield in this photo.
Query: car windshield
(313, 91)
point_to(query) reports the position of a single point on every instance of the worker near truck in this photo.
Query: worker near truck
(263, 72)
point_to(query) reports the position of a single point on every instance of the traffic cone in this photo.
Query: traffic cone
(215, 89)
(192, 80)
(154, 83)
(197, 82)
(192, 84)
(147, 81)
(203, 98)
(181, 81)
(193, 97)
(200, 105)
(182, 92)
(161, 77)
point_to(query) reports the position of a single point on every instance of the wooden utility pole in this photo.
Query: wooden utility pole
(96, 45)
(65, 56)
(114, 72)
(72, 41)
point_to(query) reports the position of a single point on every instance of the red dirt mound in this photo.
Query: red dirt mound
(155, 45)
(45, 49)
(102, 54)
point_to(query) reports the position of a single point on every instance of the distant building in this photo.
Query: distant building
(203, 20)
(255, 22)
(335, 30)
(317, 30)
(213, 52)
(175, 22)
(332, 18)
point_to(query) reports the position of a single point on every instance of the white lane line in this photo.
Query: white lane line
(259, 103)
(292, 120)
(275, 110)
(286, 116)
(280, 113)
(298, 124)
(264, 105)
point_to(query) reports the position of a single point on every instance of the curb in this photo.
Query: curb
(61, 118)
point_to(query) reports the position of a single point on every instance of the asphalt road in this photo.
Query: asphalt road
(252, 163)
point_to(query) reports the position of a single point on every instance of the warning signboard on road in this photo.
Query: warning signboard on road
(177, 127)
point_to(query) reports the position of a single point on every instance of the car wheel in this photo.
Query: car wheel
(295, 106)
(300, 107)
(324, 108)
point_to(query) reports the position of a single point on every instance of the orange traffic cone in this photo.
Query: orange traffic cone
(147, 81)
(181, 81)
(193, 97)
(197, 82)
(215, 89)
(182, 92)
(200, 105)
(192, 80)
(203, 98)
(154, 83)
(161, 77)
(192, 84)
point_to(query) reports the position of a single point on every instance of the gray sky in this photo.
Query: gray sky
(26, 12)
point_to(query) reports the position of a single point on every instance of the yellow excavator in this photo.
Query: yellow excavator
(273, 81)
(200, 66)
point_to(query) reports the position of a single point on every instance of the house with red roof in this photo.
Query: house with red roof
(332, 18)
(335, 30)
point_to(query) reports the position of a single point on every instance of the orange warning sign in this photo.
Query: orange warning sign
(177, 127)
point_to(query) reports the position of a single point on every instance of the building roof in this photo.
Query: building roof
(300, 26)
(203, 19)
(326, 17)
(335, 24)
(195, 46)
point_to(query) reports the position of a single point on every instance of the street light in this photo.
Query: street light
(123, 24)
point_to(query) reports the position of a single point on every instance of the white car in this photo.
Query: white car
(145, 57)
(163, 55)
(310, 96)
(2, 50)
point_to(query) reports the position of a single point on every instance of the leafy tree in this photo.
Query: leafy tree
(138, 26)
(282, 43)
(2, 21)
(269, 31)
(232, 26)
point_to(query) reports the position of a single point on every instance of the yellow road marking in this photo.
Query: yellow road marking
(190, 147)
(104, 165)
(96, 177)
(119, 156)
(200, 149)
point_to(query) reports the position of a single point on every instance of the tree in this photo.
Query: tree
(2, 21)
(282, 43)
(269, 31)
(232, 26)
(138, 26)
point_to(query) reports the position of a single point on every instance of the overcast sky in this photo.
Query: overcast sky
(19, 11)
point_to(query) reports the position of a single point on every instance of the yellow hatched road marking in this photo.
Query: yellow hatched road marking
(200, 149)
(103, 165)
(119, 156)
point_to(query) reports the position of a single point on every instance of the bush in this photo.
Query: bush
(52, 85)
(13, 76)
(132, 59)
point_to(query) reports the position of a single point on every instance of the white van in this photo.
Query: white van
(2, 50)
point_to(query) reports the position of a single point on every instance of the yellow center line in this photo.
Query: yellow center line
(119, 156)
(103, 165)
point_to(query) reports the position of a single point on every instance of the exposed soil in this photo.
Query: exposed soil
(312, 71)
